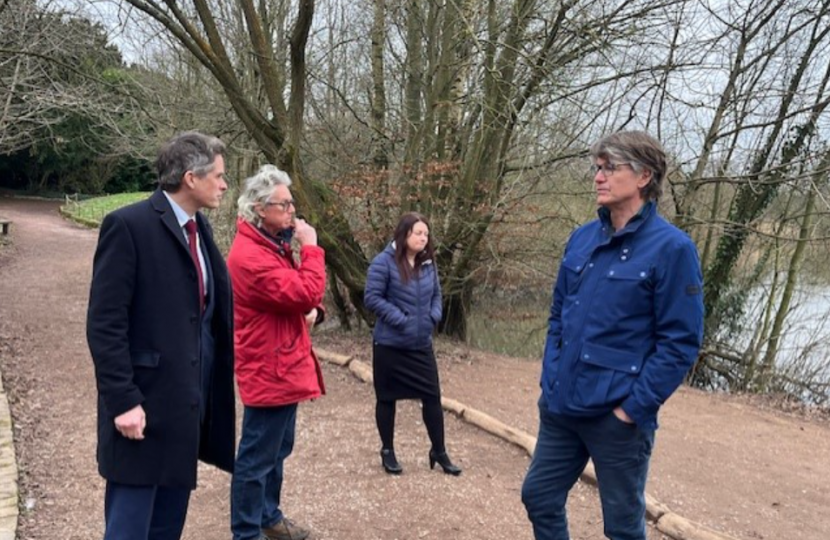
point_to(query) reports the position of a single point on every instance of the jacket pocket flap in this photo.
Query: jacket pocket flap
(148, 359)
(287, 356)
(575, 261)
(611, 358)
(625, 271)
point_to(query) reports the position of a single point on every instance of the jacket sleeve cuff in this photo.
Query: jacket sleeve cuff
(308, 251)
(639, 415)
(118, 405)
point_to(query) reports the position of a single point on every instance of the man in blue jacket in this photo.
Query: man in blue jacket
(625, 326)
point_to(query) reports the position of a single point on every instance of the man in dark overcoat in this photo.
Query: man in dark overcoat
(159, 328)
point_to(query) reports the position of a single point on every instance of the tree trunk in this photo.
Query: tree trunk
(456, 308)
(339, 303)
(380, 153)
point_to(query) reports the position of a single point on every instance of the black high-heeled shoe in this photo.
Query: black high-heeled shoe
(442, 459)
(390, 462)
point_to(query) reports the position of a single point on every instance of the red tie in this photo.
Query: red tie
(190, 227)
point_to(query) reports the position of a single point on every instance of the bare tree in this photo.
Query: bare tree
(267, 95)
(50, 66)
(765, 92)
(66, 99)
(469, 84)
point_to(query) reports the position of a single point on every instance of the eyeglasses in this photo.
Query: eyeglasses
(285, 205)
(607, 169)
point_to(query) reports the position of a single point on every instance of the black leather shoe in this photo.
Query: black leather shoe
(390, 462)
(442, 459)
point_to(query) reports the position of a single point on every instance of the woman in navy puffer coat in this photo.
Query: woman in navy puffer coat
(402, 289)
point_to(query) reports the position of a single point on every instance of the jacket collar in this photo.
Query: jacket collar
(181, 215)
(643, 214)
(262, 238)
(161, 205)
(390, 249)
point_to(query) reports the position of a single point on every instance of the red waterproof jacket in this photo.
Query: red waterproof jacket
(275, 364)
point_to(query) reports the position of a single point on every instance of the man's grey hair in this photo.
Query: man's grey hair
(188, 151)
(641, 151)
(258, 189)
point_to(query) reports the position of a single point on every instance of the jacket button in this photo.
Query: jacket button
(194, 361)
(193, 319)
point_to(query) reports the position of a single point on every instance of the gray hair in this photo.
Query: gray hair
(188, 151)
(258, 189)
(641, 151)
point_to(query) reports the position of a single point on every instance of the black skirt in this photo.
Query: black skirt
(404, 373)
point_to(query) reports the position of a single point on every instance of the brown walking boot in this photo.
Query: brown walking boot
(285, 529)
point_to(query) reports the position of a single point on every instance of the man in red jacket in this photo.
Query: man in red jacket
(276, 302)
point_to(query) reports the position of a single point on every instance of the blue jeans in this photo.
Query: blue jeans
(144, 512)
(620, 453)
(267, 439)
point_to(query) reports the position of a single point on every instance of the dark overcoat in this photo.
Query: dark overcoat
(144, 333)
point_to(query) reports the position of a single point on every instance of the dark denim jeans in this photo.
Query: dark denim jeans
(267, 439)
(620, 453)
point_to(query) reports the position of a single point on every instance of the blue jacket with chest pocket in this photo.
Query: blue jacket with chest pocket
(626, 322)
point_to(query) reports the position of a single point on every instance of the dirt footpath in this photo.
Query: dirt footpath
(737, 467)
(720, 461)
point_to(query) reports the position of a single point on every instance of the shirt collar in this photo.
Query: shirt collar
(181, 216)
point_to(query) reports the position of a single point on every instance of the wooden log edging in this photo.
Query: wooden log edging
(9, 490)
(666, 521)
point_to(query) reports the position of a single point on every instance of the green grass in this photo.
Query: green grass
(92, 211)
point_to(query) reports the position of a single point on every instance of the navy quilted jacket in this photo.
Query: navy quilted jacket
(406, 314)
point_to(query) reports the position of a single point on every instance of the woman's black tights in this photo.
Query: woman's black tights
(433, 419)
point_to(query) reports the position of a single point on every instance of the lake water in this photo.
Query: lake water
(805, 338)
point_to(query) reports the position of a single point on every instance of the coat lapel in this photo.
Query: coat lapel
(168, 217)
